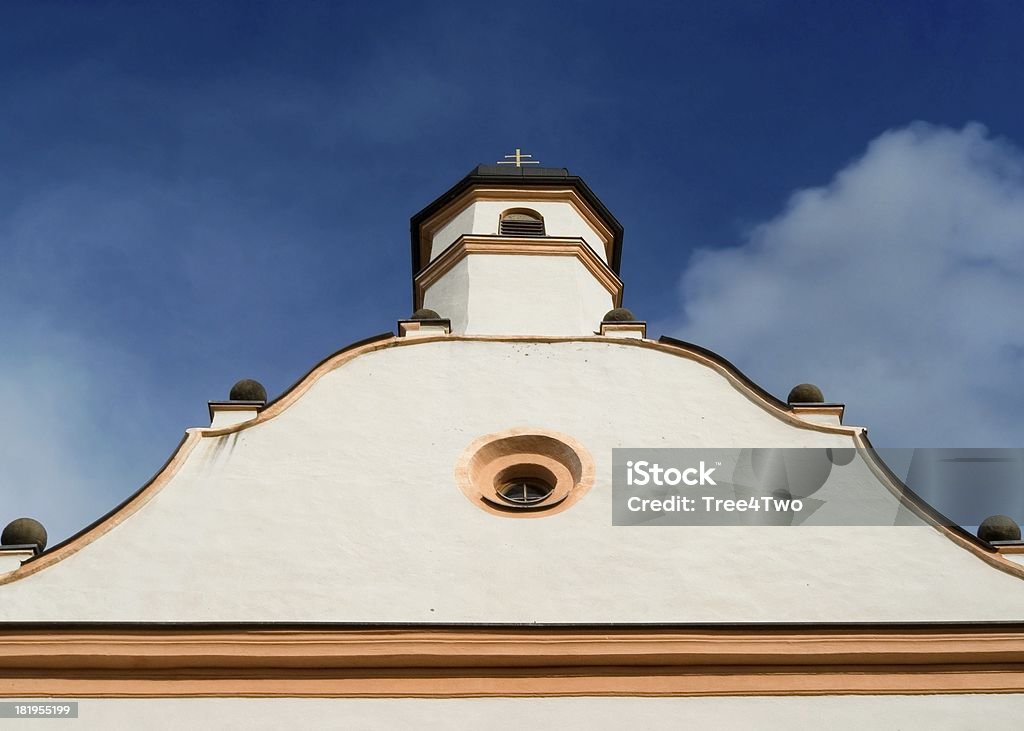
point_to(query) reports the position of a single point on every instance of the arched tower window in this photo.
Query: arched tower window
(521, 222)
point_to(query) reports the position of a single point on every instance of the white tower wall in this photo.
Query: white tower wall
(488, 284)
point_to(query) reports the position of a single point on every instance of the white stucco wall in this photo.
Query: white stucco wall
(561, 219)
(344, 508)
(449, 296)
(12, 559)
(461, 223)
(512, 294)
(839, 713)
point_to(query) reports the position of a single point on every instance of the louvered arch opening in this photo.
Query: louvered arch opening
(521, 223)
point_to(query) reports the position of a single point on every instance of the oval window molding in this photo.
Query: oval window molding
(524, 473)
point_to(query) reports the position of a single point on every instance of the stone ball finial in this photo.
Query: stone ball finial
(619, 314)
(805, 393)
(248, 390)
(424, 313)
(999, 528)
(24, 532)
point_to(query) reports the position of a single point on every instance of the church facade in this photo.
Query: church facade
(420, 533)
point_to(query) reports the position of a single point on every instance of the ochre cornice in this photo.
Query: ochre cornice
(500, 661)
(548, 246)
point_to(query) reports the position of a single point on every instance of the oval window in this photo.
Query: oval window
(525, 491)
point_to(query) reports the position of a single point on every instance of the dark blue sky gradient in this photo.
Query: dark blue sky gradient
(192, 193)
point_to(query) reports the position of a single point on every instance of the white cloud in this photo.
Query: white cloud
(898, 288)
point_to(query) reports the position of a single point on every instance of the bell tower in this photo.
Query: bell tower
(517, 249)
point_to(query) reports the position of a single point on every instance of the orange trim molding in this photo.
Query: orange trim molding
(503, 662)
(553, 453)
(476, 244)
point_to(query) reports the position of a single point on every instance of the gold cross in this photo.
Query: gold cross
(518, 159)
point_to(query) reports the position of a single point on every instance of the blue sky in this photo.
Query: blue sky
(195, 193)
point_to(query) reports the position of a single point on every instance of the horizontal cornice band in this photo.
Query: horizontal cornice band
(442, 662)
(548, 246)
